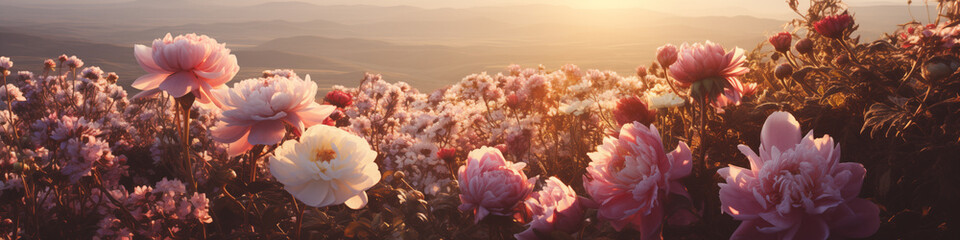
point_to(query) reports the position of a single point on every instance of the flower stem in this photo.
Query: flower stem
(298, 226)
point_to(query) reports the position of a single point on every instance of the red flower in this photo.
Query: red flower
(633, 109)
(781, 41)
(833, 26)
(339, 98)
(447, 154)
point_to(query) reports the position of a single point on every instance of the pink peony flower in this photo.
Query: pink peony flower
(667, 55)
(256, 111)
(833, 26)
(185, 64)
(632, 175)
(781, 41)
(556, 207)
(633, 109)
(796, 188)
(711, 73)
(339, 98)
(489, 184)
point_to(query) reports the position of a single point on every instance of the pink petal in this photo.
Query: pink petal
(239, 147)
(149, 81)
(227, 134)
(852, 188)
(682, 161)
(858, 218)
(315, 114)
(748, 231)
(179, 84)
(739, 202)
(144, 56)
(267, 132)
(780, 130)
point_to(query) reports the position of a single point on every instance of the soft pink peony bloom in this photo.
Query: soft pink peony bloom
(556, 207)
(633, 109)
(667, 55)
(796, 188)
(781, 41)
(833, 26)
(185, 64)
(632, 175)
(489, 184)
(256, 111)
(711, 73)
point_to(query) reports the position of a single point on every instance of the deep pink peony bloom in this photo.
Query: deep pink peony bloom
(796, 188)
(556, 207)
(185, 64)
(711, 73)
(256, 111)
(633, 109)
(781, 41)
(667, 55)
(489, 184)
(339, 98)
(833, 26)
(632, 175)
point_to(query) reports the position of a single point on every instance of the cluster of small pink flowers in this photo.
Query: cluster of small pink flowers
(165, 205)
(939, 37)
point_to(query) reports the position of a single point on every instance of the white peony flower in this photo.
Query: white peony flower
(664, 100)
(327, 166)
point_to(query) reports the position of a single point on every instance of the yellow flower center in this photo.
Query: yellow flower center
(324, 154)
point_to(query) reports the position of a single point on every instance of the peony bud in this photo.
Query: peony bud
(783, 71)
(667, 55)
(804, 46)
(447, 154)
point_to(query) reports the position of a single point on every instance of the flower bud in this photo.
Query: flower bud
(667, 55)
(783, 71)
(804, 46)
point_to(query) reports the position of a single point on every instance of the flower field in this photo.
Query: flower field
(703, 141)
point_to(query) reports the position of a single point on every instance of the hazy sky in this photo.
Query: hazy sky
(472, 3)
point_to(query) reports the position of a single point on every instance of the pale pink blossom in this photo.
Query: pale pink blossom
(489, 184)
(796, 188)
(5, 63)
(185, 64)
(711, 73)
(631, 177)
(257, 111)
(556, 207)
